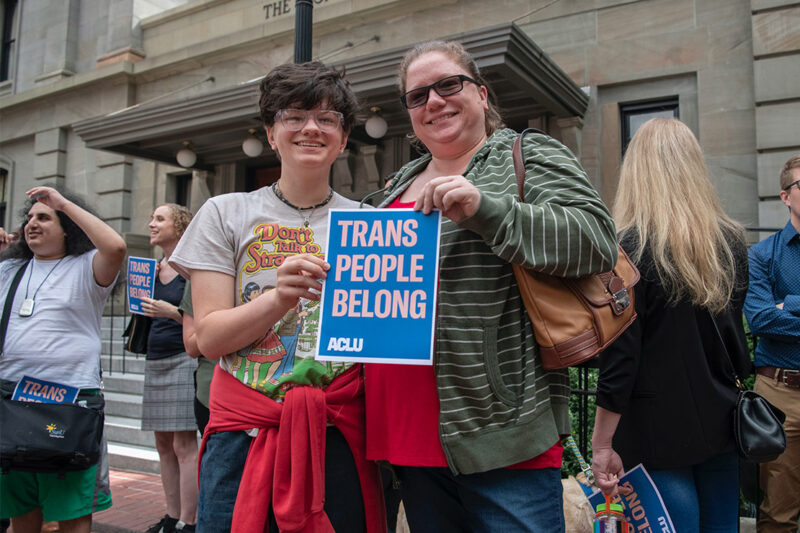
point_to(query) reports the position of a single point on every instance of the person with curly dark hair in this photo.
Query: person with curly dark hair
(285, 441)
(71, 259)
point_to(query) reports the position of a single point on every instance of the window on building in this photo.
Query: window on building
(632, 116)
(181, 188)
(7, 15)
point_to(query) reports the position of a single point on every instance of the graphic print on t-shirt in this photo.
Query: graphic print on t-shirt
(285, 355)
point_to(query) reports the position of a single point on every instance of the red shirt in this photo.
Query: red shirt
(403, 414)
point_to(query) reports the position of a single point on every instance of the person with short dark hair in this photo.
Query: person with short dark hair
(279, 421)
(772, 309)
(71, 260)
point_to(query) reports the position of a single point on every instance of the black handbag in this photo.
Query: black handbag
(137, 331)
(50, 437)
(757, 424)
(47, 437)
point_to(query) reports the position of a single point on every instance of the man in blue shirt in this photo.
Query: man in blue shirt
(772, 309)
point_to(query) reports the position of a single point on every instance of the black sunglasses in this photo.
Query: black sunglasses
(792, 185)
(443, 87)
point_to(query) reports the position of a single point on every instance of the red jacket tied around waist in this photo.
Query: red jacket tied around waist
(286, 461)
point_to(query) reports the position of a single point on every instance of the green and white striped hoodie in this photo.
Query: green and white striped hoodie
(497, 404)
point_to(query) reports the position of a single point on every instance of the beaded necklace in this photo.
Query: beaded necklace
(306, 219)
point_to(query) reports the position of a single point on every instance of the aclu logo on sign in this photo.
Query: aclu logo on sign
(344, 344)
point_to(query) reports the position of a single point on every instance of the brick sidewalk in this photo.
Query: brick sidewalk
(138, 502)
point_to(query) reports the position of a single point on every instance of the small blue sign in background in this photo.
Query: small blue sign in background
(141, 282)
(379, 299)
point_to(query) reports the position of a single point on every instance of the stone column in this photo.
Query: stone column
(113, 185)
(59, 34)
(342, 174)
(367, 176)
(199, 190)
(571, 133)
(50, 160)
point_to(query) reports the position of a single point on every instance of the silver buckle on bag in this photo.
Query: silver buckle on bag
(621, 300)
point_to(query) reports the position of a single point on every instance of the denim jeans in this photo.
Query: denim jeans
(437, 501)
(221, 471)
(704, 497)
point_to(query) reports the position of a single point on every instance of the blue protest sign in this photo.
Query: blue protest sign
(642, 504)
(141, 282)
(40, 391)
(379, 299)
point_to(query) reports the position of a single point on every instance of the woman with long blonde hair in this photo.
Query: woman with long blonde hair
(665, 394)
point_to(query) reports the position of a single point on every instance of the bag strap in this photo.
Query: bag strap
(569, 441)
(12, 290)
(519, 164)
(728, 358)
(519, 172)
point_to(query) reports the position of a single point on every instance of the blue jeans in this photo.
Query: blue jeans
(437, 501)
(221, 471)
(704, 497)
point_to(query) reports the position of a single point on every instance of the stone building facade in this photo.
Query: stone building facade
(99, 95)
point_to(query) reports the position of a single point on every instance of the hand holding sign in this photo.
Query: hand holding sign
(607, 469)
(298, 277)
(456, 197)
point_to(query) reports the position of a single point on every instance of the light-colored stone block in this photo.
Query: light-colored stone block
(777, 78)
(566, 32)
(647, 57)
(644, 19)
(113, 178)
(50, 141)
(107, 159)
(114, 205)
(758, 5)
(727, 132)
(777, 125)
(51, 165)
(772, 215)
(769, 170)
(776, 32)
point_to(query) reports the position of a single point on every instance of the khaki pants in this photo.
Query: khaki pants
(780, 479)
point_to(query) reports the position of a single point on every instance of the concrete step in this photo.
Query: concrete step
(113, 345)
(127, 430)
(123, 404)
(117, 364)
(133, 458)
(128, 383)
(115, 323)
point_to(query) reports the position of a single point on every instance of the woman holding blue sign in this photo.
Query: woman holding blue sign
(665, 394)
(475, 438)
(69, 260)
(284, 446)
(168, 397)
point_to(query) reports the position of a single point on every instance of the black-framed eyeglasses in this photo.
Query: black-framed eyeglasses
(326, 120)
(443, 87)
(792, 185)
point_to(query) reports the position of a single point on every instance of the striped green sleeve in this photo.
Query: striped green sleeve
(563, 228)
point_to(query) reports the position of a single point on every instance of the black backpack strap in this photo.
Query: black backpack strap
(12, 290)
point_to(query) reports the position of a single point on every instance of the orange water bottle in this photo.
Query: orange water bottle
(610, 518)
